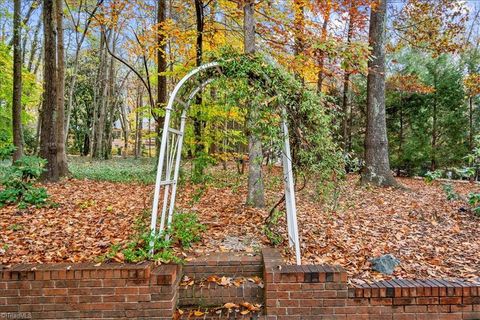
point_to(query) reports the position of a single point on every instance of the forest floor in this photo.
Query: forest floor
(431, 236)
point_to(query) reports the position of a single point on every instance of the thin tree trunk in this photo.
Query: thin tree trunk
(60, 133)
(73, 79)
(197, 122)
(48, 142)
(34, 47)
(346, 89)
(322, 53)
(41, 55)
(377, 164)
(471, 132)
(139, 119)
(98, 149)
(400, 138)
(256, 194)
(111, 102)
(433, 164)
(23, 47)
(161, 69)
(34, 4)
(17, 83)
(299, 32)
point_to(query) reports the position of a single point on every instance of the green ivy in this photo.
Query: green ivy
(18, 181)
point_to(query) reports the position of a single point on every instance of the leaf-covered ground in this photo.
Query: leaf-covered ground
(432, 237)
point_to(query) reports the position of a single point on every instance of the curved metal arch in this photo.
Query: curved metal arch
(173, 158)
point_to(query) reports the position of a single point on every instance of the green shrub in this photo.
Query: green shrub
(18, 181)
(474, 201)
(273, 236)
(200, 163)
(431, 176)
(186, 229)
(6, 151)
(450, 192)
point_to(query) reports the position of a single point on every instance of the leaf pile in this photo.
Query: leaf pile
(229, 308)
(221, 281)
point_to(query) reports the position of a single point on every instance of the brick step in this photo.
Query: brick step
(219, 313)
(229, 264)
(217, 291)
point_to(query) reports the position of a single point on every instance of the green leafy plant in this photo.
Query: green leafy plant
(186, 229)
(6, 151)
(450, 192)
(474, 201)
(273, 236)
(200, 163)
(18, 181)
(431, 176)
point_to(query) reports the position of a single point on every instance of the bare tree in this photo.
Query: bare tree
(79, 39)
(377, 165)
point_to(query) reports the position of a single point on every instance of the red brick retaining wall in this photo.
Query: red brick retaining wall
(110, 291)
(146, 291)
(321, 292)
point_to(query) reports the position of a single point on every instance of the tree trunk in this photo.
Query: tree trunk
(197, 122)
(322, 53)
(400, 138)
(256, 191)
(471, 132)
(48, 142)
(17, 83)
(34, 47)
(433, 157)
(377, 164)
(61, 152)
(161, 69)
(73, 79)
(110, 104)
(139, 124)
(299, 32)
(99, 124)
(346, 89)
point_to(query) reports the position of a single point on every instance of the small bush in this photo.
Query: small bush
(431, 176)
(450, 192)
(18, 181)
(186, 228)
(6, 151)
(273, 236)
(474, 201)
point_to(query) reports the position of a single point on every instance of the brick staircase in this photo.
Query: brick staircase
(222, 286)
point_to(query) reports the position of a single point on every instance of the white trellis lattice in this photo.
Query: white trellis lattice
(170, 157)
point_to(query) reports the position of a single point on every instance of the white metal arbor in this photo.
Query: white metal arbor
(170, 157)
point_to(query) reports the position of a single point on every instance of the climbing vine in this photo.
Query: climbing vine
(274, 91)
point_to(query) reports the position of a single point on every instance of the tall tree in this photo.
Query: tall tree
(79, 39)
(17, 82)
(161, 67)
(197, 123)
(322, 53)
(256, 193)
(48, 142)
(60, 119)
(377, 164)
